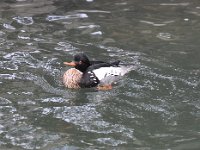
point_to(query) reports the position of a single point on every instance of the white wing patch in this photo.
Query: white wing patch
(107, 75)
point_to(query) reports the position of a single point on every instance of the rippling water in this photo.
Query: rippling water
(156, 106)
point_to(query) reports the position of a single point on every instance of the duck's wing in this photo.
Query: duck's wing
(89, 78)
(104, 73)
(108, 73)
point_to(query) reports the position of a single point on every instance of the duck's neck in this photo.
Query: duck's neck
(83, 67)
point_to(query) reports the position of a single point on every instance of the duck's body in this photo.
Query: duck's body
(88, 74)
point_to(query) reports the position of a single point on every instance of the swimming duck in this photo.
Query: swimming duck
(86, 73)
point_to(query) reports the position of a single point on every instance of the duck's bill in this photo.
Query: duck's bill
(73, 64)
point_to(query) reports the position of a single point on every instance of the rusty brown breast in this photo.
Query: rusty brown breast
(71, 78)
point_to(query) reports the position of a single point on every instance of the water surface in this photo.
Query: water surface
(155, 106)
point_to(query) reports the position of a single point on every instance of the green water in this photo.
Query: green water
(155, 106)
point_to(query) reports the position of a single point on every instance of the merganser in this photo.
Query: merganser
(88, 73)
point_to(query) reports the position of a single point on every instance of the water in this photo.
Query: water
(156, 106)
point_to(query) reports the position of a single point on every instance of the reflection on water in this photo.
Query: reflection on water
(156, 106)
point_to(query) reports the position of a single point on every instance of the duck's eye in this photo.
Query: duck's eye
(76, 58)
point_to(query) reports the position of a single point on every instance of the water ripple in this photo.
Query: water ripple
(89, 120)
(175, 4)
(4, 101)
(54, 100)
(24, 20)
(8, 65)
(93, 11)
(2, 41)
(8, 26)
(153, 23)
(110, 141)
(25, 136)
(2, 33)
(65, 46)
(8, 76)
(165, 36)
(74, 16)
(23, 37)
(97, 33)
(89, 26)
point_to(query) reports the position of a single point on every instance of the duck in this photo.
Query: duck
(88, 74)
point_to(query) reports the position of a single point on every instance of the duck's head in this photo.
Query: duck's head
(80, 62)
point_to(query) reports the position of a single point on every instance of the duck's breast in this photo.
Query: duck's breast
(71, 78)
